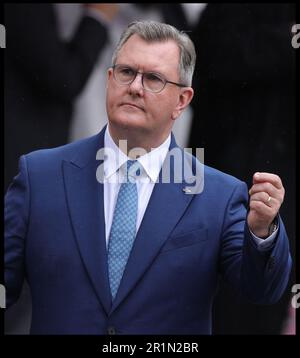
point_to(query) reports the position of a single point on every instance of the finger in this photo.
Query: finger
(274, 179)
(264, 187)
(264, 197)
(266, 212)
(277, 194)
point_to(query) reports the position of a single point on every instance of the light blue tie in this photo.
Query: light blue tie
(123, 229)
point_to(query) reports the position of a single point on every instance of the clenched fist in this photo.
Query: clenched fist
(266, 197)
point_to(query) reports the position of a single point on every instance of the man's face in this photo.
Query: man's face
(131, 106)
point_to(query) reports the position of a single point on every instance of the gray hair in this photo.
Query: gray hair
(153, 31)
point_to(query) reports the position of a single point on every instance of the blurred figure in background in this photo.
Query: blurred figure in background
(43, 75)
(245, 80)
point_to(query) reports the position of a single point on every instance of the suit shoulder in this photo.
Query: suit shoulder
(212, 174)
(214, 179)
(68, 152)
(220, 177)
(223, 184)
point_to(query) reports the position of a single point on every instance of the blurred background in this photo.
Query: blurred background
(243, 113)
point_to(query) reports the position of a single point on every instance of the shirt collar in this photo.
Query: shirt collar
(151, 162)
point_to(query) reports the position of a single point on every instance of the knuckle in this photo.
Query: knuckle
(252, 204)
(269, 187)
(256, 204)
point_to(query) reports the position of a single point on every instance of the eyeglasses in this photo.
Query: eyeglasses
(151, 81)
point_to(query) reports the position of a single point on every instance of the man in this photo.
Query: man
(113, 250)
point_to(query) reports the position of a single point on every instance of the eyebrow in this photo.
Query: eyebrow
(150, 71)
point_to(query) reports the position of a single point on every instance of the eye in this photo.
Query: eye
(126, 71)
(153, 77)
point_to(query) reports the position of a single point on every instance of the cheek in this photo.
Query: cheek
(111, 98)
(108, 103)
(163, 108)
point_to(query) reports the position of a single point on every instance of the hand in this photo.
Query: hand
(266, 197)
(108, 11)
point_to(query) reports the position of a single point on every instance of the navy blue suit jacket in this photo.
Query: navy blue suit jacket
(55, 237)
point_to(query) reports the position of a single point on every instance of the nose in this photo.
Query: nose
(136, 85)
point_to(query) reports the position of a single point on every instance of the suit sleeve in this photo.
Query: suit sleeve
(55, 66)
(16, 217)
(260, 276)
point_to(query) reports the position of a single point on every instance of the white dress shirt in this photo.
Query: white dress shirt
(113, 174)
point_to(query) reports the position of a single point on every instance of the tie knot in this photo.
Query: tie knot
(133, 169)
(130, 163)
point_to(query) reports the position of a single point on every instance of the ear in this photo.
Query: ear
(109, 73)
(185, 97)
(109, 76)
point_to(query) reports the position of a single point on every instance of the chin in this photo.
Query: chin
(129, 121)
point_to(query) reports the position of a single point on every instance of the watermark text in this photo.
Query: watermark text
(2, 36)
(296, 298)
(296, 37)
(2, 297)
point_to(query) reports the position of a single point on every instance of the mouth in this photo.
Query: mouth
(132, 105)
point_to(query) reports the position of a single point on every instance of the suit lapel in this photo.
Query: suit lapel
(166, 206)
(85, 202)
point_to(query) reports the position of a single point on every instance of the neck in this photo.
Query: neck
(135, 144)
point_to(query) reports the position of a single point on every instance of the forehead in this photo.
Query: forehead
(145, 55)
